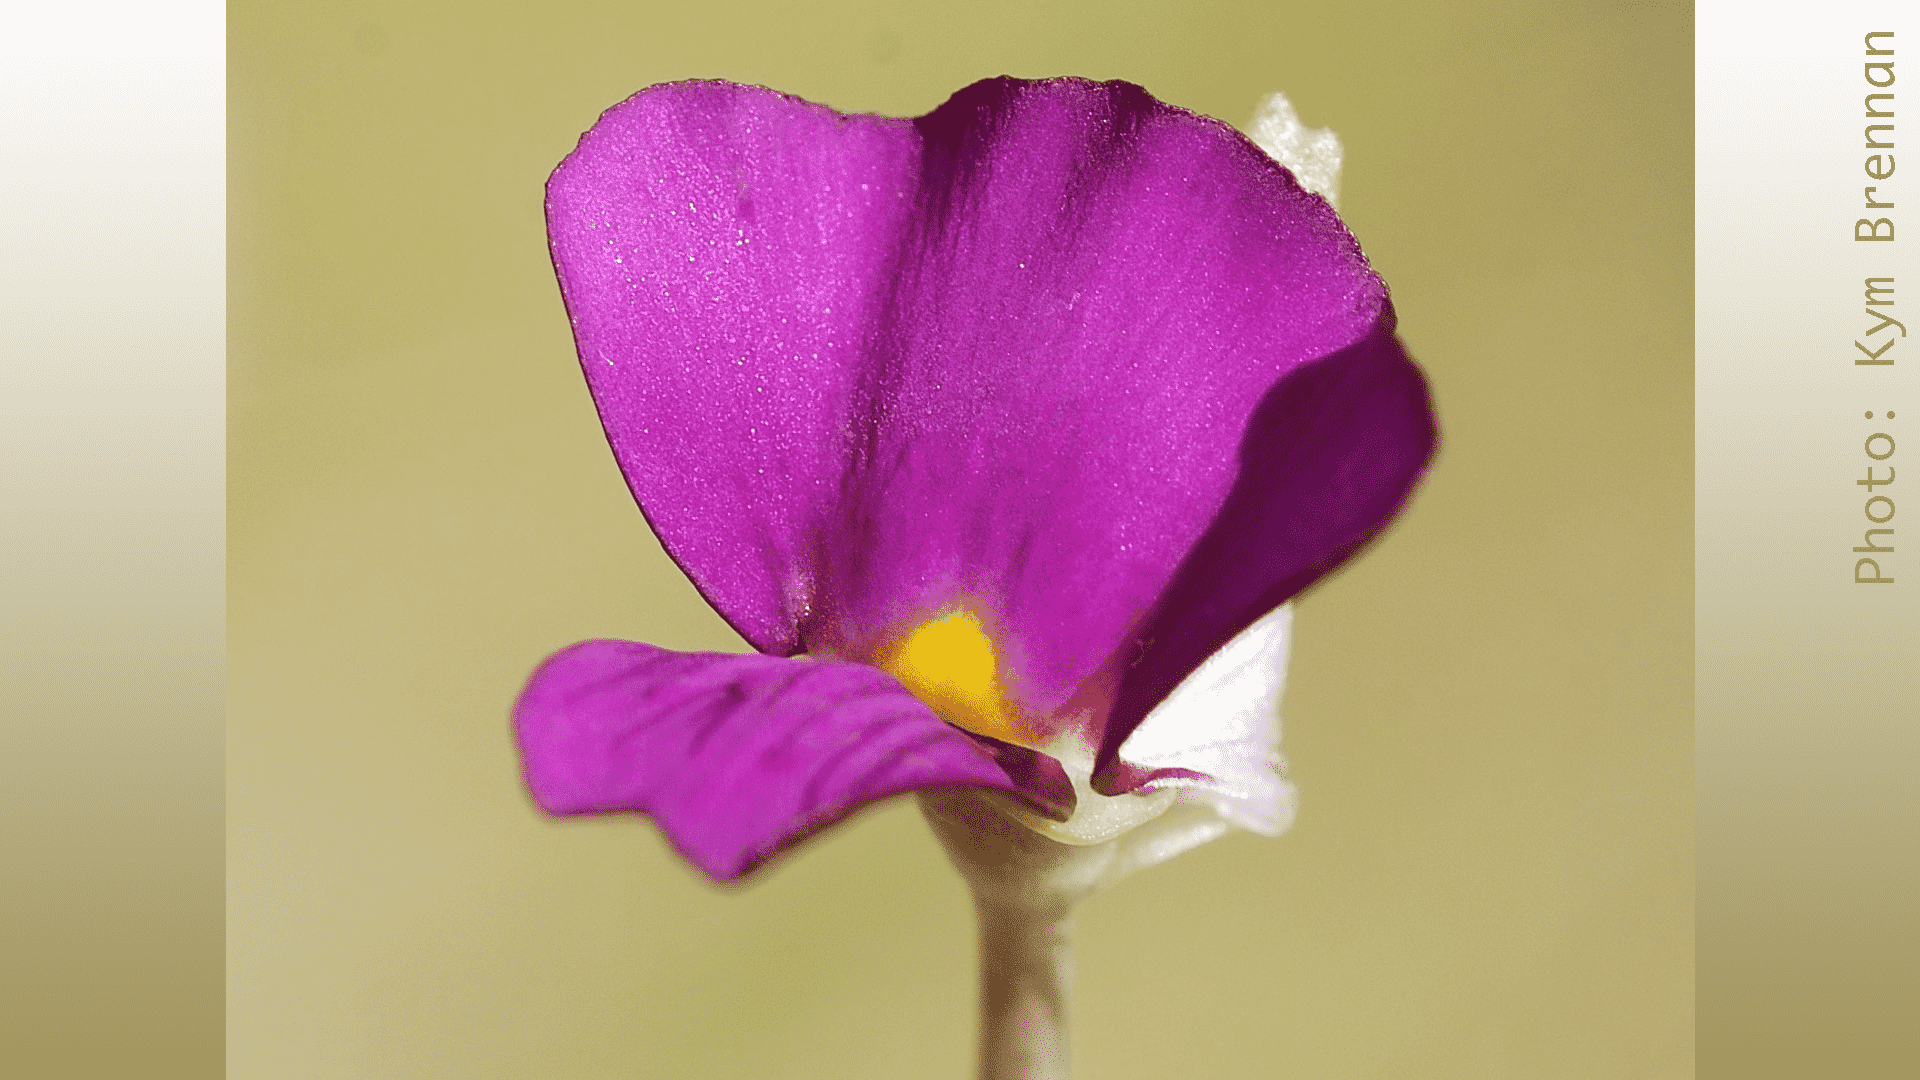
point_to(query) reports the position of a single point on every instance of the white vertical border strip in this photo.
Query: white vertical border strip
(1807, 657)
(113, 282)
(112, 478)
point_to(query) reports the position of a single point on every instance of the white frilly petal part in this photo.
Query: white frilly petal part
(1311, 154)
(1185, 826)
(1223, 721)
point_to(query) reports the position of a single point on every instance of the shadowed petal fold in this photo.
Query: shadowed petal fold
(740, 757)
(1329, 458)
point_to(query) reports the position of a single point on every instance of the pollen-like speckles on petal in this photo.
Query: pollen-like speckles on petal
(950, 664)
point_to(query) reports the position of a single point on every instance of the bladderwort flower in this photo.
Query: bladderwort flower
(1004, 435)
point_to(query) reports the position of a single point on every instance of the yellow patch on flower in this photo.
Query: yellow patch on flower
(949, 664)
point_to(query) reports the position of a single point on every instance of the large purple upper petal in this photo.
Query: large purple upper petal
(860, 372)
(740, 757)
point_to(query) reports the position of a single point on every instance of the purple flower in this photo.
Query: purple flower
(1003, 434)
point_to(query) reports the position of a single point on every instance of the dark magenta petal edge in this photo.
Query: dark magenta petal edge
(738, 758)
(1330, 456)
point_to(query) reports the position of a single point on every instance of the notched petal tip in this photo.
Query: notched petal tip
(1094, 817)
(1044, 787)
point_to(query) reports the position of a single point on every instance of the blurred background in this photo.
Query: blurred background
(1489, 716)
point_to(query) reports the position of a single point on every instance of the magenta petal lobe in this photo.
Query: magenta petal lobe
(860, 372)
(735, 757)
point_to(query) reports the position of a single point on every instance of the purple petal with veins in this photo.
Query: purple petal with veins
(737, 757)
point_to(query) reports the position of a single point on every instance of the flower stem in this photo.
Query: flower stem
(1025, 887)
(1026, 979)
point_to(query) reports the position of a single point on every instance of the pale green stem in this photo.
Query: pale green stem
(1026, 981)
(1025, 887)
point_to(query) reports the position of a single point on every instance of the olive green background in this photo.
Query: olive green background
(1489, 715)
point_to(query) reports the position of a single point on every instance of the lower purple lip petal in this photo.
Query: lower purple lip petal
(738, 757)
